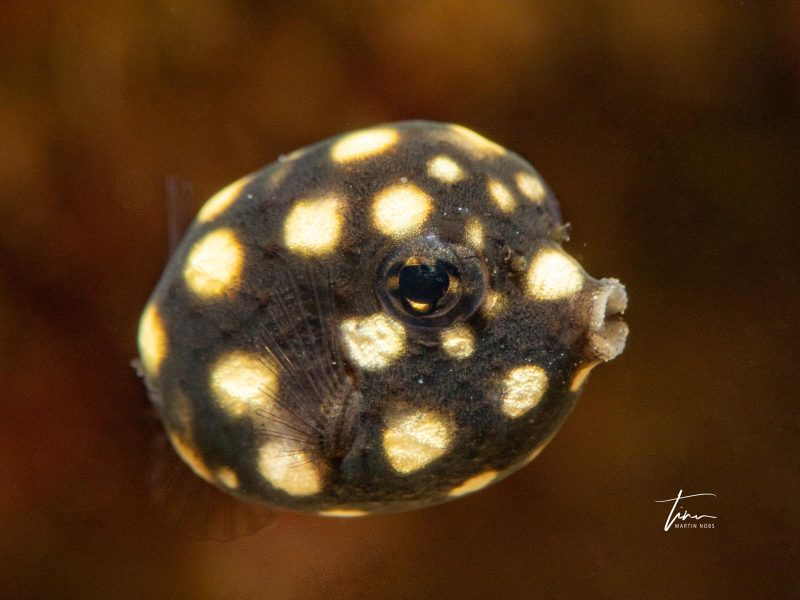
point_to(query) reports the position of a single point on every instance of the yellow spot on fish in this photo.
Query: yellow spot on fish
(501, 196)
(534, 453)
(179, 413)
(445, 169)
(475, 142)
(294, 155)
(190, 456)
(220, 201)
(289, 468)
(414, 438)
(401, 210)
(241, 381)
(495, 304)
(473, 233)
(537, 450)
(581, 374)
(214, 264)
(362, 144)
(313, 227)
(554, 274)
(228, 478)
(473, 484)
(524, 388)
(458, 342)
(342, 512)
(373, 342)
(152, 340)
(279, 173)
(530, 186)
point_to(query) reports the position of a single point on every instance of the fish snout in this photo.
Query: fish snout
(607, 331)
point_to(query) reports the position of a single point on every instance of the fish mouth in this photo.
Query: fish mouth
(607, 331)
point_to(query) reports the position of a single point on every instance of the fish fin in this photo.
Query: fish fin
(195, 509)
(180, 202)
(318, 408)
(152, 392)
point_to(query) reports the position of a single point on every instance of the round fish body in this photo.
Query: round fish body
(381, 321)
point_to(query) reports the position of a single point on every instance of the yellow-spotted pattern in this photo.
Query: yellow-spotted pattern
(378, 322)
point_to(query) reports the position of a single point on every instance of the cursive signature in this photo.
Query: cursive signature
(683, 516)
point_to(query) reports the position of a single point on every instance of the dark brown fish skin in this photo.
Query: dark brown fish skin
(288, 308)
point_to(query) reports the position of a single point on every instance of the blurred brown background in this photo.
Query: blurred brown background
(669, 130)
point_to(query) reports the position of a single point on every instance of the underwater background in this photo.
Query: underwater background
(668, 130)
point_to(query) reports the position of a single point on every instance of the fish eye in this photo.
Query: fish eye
(423, 286)
(430, 282)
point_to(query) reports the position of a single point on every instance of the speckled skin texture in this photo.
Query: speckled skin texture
(288, 307)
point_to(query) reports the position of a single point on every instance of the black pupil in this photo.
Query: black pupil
(424, 283)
